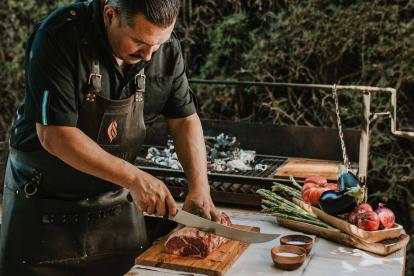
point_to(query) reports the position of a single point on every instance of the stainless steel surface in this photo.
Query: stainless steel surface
(364, 141)
(206, 225)
(404, 134)
(357, 88)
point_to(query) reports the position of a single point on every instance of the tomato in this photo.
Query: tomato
(361, 208)
(364, 207)
(368, 221)
(352, 217)
(314, 187)
(316, 179)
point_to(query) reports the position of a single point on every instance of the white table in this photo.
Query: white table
(326, 258)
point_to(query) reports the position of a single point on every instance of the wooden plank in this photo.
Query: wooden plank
(303, 168)
(217, 263)
(383, 248)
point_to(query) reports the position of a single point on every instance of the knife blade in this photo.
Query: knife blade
(218, 229)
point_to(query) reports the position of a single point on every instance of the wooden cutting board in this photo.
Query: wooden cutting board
(382, 248)
(303, 168)
(217, 263)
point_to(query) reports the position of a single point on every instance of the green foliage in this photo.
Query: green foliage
(229, 41)
(18, 19)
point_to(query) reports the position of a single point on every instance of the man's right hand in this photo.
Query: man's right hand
(152, 196)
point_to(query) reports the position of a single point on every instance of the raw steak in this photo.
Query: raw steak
(192, 242)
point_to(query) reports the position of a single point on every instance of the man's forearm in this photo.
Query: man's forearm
(191, 150)
(76, 149)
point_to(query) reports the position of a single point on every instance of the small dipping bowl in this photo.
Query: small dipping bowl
(298, 240)
(288, 257)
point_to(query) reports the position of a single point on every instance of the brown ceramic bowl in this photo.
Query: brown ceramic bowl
(298, 240)
(288, 257)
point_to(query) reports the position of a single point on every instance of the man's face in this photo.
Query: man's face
(133, 43)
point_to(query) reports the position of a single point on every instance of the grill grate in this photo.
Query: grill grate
(234, 187)
(273, 163)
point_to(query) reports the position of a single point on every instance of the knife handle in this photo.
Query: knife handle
(130, 199)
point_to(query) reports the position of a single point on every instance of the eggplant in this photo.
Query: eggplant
(337, 202)
(349, 194)
(347, 179)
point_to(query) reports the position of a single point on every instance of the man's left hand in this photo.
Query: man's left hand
(199, 202)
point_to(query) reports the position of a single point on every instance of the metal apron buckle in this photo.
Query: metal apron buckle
(31, 187)
(92, 76)
(95, 82)
(140, 86)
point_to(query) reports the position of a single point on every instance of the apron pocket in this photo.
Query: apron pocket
(118, 229)
(58, 231)
(55, 230)
(104, 225)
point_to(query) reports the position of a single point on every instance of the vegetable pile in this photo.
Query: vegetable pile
(280, 206)
(344, 198)
(366, 218)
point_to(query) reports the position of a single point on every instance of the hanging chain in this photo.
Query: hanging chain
(341, 134)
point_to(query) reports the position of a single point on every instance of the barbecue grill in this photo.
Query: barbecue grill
(276, 146)
(269, 142)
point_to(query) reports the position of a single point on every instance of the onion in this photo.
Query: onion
(386, 216)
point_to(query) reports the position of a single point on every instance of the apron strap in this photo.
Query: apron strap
(95, 78)
(139, 86)
(95, 82)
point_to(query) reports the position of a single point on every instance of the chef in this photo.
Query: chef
(97, 73)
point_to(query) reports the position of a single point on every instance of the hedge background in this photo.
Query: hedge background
(316, 41)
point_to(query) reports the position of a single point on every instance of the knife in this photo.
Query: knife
(218, 229)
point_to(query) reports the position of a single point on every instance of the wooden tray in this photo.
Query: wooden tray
(383, 248)
(217, 263)
(353, 230)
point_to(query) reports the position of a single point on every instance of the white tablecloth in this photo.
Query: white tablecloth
(326, 258)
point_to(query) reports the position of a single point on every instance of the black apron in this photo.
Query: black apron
(59, 221)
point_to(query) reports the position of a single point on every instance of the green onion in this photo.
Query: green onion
(278, 206)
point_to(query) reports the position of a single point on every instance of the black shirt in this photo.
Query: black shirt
(59, 59)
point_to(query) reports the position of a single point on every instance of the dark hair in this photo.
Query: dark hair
(159, 12)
